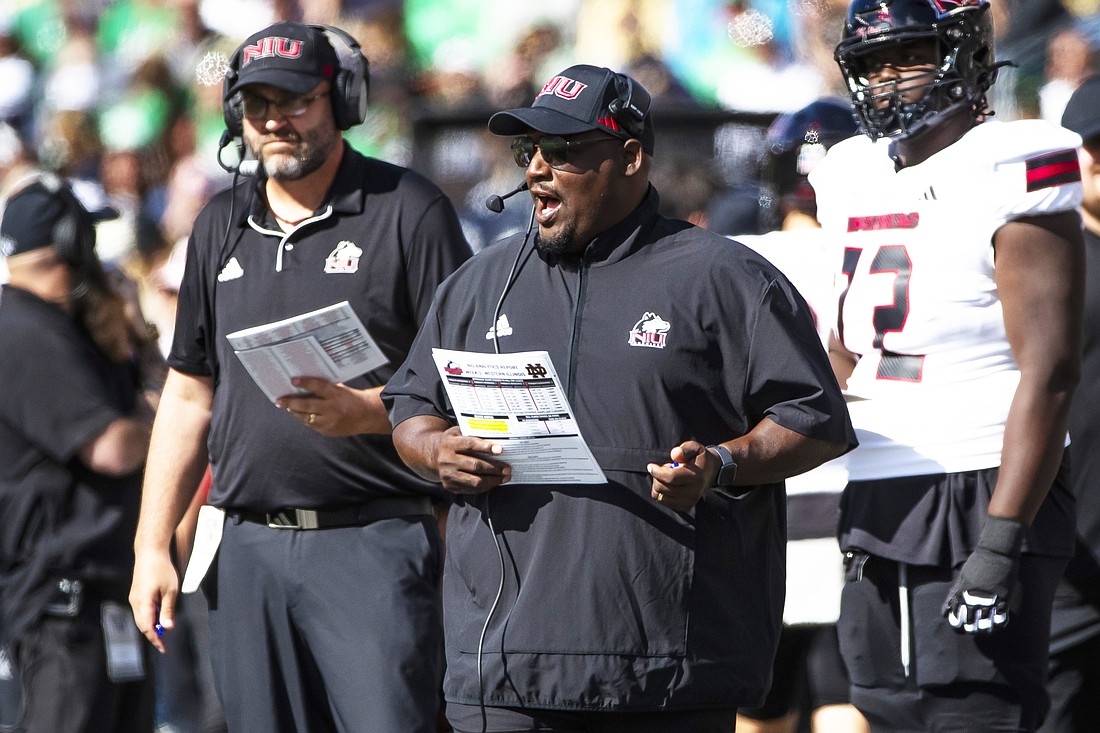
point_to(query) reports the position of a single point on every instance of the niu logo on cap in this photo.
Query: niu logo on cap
(272, 46)
(564, 87)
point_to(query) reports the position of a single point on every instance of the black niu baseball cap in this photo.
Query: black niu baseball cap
(577, 100)
(1082, 112)
(290, 56)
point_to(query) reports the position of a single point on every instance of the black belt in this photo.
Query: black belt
(384, 507)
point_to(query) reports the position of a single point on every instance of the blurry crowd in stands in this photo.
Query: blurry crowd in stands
(123, 97)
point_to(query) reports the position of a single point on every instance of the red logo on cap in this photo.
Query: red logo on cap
(272, 46)
(945, 6)
(562, 86)
(608, 122)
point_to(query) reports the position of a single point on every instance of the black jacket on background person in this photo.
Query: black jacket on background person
(60, 518)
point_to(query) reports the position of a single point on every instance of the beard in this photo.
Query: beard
(310, 151)
(559, 244)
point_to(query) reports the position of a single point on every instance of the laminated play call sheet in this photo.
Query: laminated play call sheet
(517, 400)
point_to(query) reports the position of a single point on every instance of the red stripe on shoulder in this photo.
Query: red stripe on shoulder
(1052, 169)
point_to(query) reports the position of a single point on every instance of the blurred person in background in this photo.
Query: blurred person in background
(74, 431)
(1070, 59)
(516, 78)
(1022, 30)
(20, 77)
(809, 678)
(772, 76)
(1075, 623)
(15, 166)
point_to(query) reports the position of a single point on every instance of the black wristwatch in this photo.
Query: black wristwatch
(727, 472)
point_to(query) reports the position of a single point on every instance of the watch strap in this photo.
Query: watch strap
(727, 470)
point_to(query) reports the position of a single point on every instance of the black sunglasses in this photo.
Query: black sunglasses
(554, 149)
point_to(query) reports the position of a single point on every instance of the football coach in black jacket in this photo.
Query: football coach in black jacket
(652, 602)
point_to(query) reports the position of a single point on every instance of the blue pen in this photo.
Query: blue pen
(159, 629)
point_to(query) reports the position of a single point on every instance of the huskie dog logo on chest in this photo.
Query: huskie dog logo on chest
(343, 259)
(651, 332)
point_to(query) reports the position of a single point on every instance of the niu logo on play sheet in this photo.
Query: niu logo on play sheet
(272, 46)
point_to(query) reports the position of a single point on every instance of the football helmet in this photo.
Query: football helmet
(963, 34)
(796, 142)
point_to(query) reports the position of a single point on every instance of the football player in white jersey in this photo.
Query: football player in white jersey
(959, 344)
(808, 675)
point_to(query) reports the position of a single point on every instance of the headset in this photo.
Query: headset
(74, 233)
(627, 112)
(350, 86)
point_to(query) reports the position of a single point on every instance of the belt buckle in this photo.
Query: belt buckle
(293, 519)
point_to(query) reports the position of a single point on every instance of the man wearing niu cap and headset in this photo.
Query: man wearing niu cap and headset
(651, 602)
(74, 430)
(324, 596)
(1075, 620)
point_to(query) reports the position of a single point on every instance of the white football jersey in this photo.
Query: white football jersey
(815, 567)
(936, 375)
(808, 258)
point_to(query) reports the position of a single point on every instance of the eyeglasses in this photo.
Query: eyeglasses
(554, 149)
(255, 107)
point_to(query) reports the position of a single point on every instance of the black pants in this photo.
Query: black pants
(62, 663)
(468, 719)
(1074, 687)
(331, 630)
(808, 673)
(955, 682)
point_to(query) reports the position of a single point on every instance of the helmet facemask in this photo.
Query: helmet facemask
(962, 67)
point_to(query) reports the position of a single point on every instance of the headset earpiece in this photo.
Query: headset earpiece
(351, 86)
(232, 106)
(74, 233)
(625, 110)
(65, 240)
